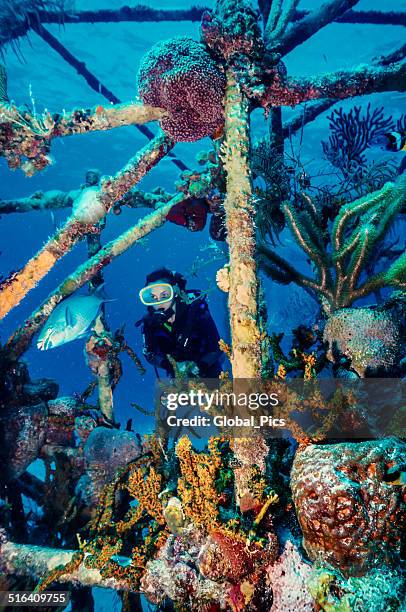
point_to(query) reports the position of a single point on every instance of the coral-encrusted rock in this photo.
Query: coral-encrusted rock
(350, 516)
(62, 406)
(378, 591)
(179, 76)
(174, 574)
(370, 339)
(23, 431)
(61, 421)
(288, 577)
(224, 557)
(105, 452)
(233, 29)
(179, 582)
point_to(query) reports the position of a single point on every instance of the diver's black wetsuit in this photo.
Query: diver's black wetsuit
(193, 336)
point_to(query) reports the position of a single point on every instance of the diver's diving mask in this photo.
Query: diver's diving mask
(156, 294)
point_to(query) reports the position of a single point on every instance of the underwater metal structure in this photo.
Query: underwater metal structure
(233, 559)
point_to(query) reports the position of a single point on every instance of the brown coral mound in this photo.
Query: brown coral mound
(179, 76)
(350, 516)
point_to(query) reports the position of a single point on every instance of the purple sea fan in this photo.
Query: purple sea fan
(180, 76)
(350, 135)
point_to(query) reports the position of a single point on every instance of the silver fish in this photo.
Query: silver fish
(70, 320)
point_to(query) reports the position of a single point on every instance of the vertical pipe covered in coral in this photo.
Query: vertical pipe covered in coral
(240, 215)
(91, 210)
(243, 290)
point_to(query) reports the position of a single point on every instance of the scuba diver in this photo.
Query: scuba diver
(178, 324)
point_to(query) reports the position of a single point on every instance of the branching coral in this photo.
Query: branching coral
(196, 485)
(279, 16)
(179, 76)
(356, 230)
(350, 135)
(308, 364)
(268, 163)
(146, 487)
(308, 24)
(141, 529)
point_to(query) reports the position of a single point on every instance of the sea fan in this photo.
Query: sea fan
(351, 134)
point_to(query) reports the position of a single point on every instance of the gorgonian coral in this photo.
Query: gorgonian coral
(351, 134)
(179, 76)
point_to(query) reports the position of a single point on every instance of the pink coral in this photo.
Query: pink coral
(179, 76)
(288, 578)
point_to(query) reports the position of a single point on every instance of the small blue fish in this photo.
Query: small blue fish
(70, 320)
(123, 561)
